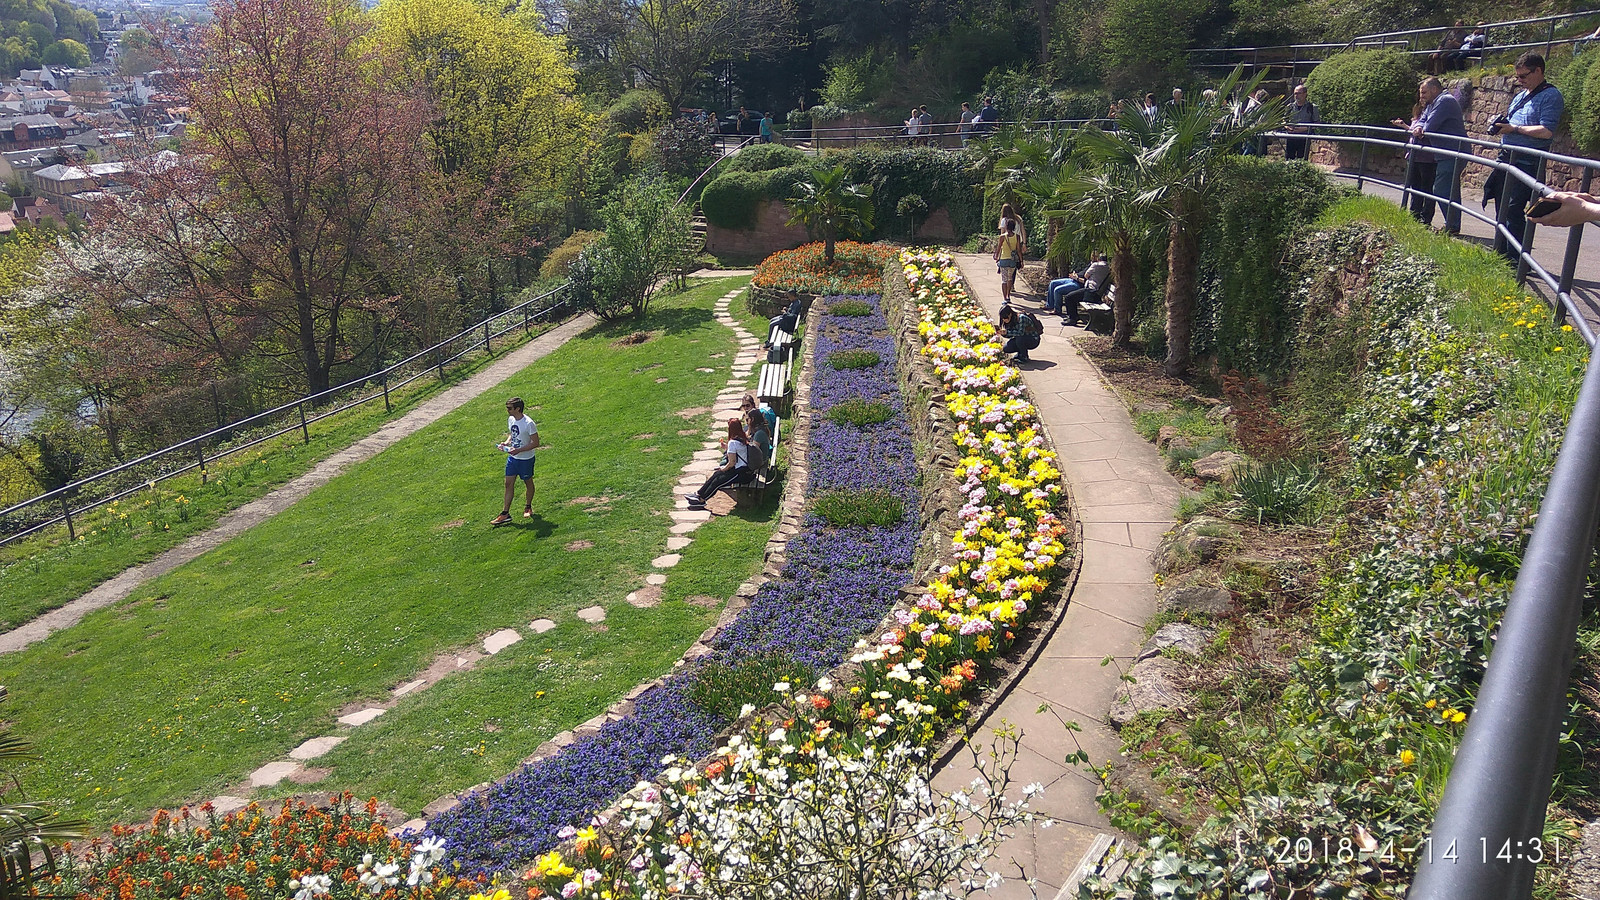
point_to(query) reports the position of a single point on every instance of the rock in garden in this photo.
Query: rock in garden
(1179, 443)
(1191, 639)
(1583, 877)
(1218, 413)
(1154, 686)
(1165, 435)
(1198, 595)
(1197, 541)
(1222, 466)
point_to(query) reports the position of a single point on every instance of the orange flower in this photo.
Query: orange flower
(820, 701)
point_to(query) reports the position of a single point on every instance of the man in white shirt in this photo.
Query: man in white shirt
(521, 441)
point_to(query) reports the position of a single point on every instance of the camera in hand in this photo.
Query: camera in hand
(1499, 124)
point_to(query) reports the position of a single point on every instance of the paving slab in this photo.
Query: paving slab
(362, 716)
(655, 579)
(272, 773)
(500, 640)
(228, 803)
(316, 747)
(594, 615)
(675, 544)
(540, 626)
(666, 560)
(409, 686)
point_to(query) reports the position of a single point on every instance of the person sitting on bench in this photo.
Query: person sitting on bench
(1094, 280)
(735, 468)
(787, 322)
(755, 425)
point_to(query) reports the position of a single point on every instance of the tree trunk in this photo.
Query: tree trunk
(1123, 305)
(1183, 255)
(827, 249)
(1053, 267)
(1041, 9)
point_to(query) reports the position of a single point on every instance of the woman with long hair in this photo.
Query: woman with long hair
(735, 467)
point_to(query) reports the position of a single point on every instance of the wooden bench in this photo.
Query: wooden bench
(772, 388)
(757, 489)
(1096, 312)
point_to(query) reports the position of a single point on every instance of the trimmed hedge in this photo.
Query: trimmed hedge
(1245, 313)
(1364, 87)
(1580, 86)
(764, 158)
(939, 178)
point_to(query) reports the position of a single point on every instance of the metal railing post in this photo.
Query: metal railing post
(304, 431)
(486, 338)
(1528, 228)
(1569, 264)
(200, 456)
(1361, 170)
(1550, 39)
(66, 510)
(386, 407)
(1405, 188)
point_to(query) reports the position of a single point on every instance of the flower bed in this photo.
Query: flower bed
(838, 583)
(857, 269)
(302, 852)
(700, 832)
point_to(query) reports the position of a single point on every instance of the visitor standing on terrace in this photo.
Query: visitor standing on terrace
(1435, 129)
(987, 117)
(1302, 113)
(1008, 257)
(964, 128)
(766, 128)
(521, 441)
(1529, 124)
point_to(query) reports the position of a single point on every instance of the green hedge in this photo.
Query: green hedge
(1580, 87)
(764, 158)
(1364, 87)
(940, 178)
(1260, 208)
(730, 201)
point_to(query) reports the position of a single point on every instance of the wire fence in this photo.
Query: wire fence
(60, 507)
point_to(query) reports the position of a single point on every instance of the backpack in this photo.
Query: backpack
(755, 456)
(1031, 326)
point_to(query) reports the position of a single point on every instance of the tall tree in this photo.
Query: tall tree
(310, 165)
(831, 207)
(672, 45)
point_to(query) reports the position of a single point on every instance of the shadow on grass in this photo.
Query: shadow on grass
(669, 321)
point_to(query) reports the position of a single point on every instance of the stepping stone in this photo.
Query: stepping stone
(362, 716)
(656, 579)
(685, 527)
(689, 515)
(316, 747)
(594, 615)
(409, 686)
(540, 626)
(678, 543)
(272, 773)
(701, 467)
(645, 597)
(707, 454)
(703, 369)
(500, 640)
(666, 561)
(228, 803)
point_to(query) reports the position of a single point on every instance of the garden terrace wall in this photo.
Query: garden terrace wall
(770, 233)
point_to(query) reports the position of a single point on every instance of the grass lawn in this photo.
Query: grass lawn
(236, 658)
(42, 573)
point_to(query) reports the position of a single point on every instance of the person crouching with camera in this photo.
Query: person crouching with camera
(1530, 123)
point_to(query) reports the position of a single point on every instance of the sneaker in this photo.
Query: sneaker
(527, 512)
(502, 519)
(694, 500)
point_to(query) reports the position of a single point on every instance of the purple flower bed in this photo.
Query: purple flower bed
(836, 584)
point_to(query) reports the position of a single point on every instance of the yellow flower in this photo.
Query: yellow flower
(1555, 350)
(586, 837)
(1407, 757)
(552, 864)
(1431, 704)
(1457, 716)
(1566, 328)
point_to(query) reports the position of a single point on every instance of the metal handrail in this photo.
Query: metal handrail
(714, 163)
(897, 133)
(1487, 832)
(481, 334)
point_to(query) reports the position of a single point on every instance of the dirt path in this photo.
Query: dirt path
(257, 511)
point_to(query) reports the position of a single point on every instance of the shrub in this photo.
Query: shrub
(913, 209)
(765, 158)
(1583, 103)
(682, 148)
(637, 111)
(873, 506)
(1281, 491)
(723, 688)
(860, 412)
(647, 238)
(940, 178)
(853, 359)
(731, 200)
(560, 259)
(1244, 310)
(857, 269)
(1364, 87)
(850, 308)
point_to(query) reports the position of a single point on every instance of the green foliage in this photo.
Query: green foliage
(872, 506)
(1143, 43)
(764, 158)
(725, 689)
(1244, 310)
(831, 206)
(682, 148)
(853, 82)
(854, 359)
(850, 308)
(66, 52)
(860, 412)
(637, 111)
(1023, 93)
(28, 830)
(560, 259)
(942, 179)
(1580, 85)
(646, 239)
(1364, 87)
(1282, 491)
(731, 200)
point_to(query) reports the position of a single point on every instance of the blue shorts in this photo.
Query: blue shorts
(521, 468)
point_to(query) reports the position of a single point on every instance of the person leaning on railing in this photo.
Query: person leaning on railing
(1530, 123)
(1434, 174)
(1575, 209)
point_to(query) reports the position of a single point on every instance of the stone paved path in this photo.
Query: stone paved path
(257, 511)
(1125, 500)
(685, 522)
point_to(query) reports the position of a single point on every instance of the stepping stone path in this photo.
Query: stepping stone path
(702, 463)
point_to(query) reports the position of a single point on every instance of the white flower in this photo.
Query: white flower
(746, 709)
(781, 687)
(431, 847)
(313, 886)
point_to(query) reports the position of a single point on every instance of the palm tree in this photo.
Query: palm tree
(830, 207)
(1182, 148)
(27, 830)
(1105, 197)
